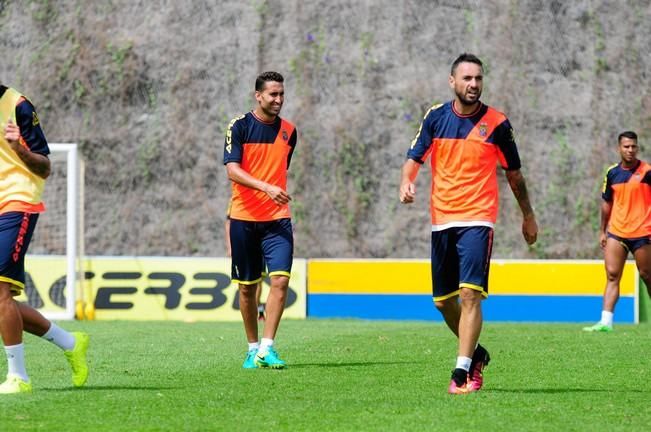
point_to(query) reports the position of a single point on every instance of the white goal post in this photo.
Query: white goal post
(56, 250)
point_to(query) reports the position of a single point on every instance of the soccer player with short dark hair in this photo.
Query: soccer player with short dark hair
(257, 152)
(625, 223)
(24, 166)
(465, 141)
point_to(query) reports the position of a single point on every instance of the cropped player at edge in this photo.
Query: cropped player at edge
(625, 223)
(465, 140)
(24, 166)
(257, 152)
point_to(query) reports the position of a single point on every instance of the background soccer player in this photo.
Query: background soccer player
(625, 223)
(257, 152)
(465, 140)
(24, 166)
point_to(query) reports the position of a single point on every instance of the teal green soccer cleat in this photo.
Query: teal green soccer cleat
(269, 359)
(598, 328)
(249, 361)
(77, 359)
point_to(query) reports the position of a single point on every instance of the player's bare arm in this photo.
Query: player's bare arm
(407, 187)
(239, 175)
(519, 189)
(37, 163)
(606, 210)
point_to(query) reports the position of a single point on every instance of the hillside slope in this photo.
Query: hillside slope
(147, 89)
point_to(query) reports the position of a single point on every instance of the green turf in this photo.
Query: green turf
(343, 375)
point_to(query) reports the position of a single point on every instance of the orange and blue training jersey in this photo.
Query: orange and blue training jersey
(264, 150)
(464, 152)
(20, 188)
(629, 191)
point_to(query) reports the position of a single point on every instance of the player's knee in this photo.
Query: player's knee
(446, 305)
(469, 295)
(279, 282)
(248, 290)
(6, 295)
(645, 274)
(613, 275)
(440, 305)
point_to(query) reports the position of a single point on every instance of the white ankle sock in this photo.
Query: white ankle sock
(59, 337)
(266, 343)
(607, 318)
(16, 361)
(254, 346)
(463, 363)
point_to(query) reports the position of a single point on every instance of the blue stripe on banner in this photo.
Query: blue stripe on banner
(372, 306)
(495, 308)
(554, 308)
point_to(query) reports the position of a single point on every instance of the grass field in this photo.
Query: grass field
(343, 375)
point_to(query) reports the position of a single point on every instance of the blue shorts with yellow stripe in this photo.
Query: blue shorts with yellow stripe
(255, 243)
(460, 259)
(16, 229)
(631, 244)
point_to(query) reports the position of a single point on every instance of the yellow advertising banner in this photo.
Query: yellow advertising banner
(155, 288)
(506, 277)
(45, 283)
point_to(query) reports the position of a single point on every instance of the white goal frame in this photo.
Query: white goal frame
(73, 272)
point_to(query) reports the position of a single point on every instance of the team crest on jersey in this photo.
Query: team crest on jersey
(285, 137)
(483, 129)
(35, 120)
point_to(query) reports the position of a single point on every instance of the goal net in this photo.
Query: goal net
(54, 266)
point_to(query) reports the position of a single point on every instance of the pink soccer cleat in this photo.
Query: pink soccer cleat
(480, 360)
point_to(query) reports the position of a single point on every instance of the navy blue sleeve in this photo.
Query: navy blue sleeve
(234, 139)
(422, 143)
(30, 128)
(292, 145)
(647, 178)
(607, 188)
(505, 141)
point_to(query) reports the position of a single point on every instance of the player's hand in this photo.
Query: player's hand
(277, 194)
(12, 134)
(530, 229)
(407, 193)
(602, 240)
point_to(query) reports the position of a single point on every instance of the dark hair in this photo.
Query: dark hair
(465, 58)
(267, 76)
(627, 134)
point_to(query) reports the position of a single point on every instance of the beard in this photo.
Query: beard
(465, 100)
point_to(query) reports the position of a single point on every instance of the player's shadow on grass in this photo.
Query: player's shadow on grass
(563, 390)
(348, 364)
(96, 388)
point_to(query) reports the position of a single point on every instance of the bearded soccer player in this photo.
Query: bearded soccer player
(625, 223)
(24, 166)
(465, 140)
(257, 153)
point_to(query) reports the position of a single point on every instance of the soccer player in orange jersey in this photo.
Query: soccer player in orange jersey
(625, 223)
(24, 166)
(465, 140)
(257, 152)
